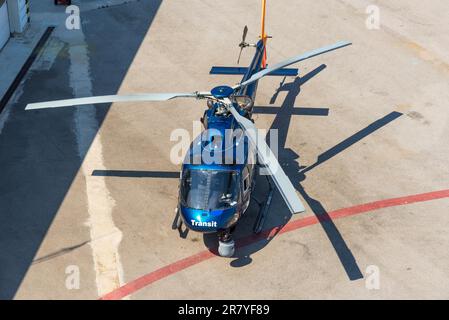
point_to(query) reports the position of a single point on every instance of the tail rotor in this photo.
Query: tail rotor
(243, 44)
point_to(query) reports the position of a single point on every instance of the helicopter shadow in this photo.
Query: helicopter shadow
(289, 160)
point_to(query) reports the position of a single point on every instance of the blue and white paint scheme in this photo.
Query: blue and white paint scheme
(199, 215)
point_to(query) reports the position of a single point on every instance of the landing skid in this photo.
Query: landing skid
(177, 225)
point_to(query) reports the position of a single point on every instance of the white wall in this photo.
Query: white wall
(4, 23)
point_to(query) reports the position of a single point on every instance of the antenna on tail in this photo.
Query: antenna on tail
(263, 34)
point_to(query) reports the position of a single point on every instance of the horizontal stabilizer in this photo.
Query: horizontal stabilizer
(285, 72)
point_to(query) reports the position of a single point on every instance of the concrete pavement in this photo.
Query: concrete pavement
(384, 135)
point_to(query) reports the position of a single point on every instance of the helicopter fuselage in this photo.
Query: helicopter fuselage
(218, 173)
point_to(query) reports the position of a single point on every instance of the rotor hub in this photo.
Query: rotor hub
(221, 92)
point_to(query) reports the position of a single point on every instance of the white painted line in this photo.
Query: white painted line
(105, 236)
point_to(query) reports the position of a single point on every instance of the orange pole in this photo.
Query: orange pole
(263, 35)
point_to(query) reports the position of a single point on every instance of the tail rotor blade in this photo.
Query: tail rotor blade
(245, 32)
(243, 44)
(111, 99)
(240, 54)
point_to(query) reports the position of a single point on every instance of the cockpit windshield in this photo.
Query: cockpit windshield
(209, 189)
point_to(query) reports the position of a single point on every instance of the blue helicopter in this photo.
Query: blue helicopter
(219, 170)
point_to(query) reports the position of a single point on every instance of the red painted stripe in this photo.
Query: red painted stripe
(159, 274)
(180, 265)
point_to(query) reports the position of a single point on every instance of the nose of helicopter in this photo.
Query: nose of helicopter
(208, 221)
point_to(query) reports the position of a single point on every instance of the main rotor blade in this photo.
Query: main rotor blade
(292, 60)
(267, 158)
(110, 99)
